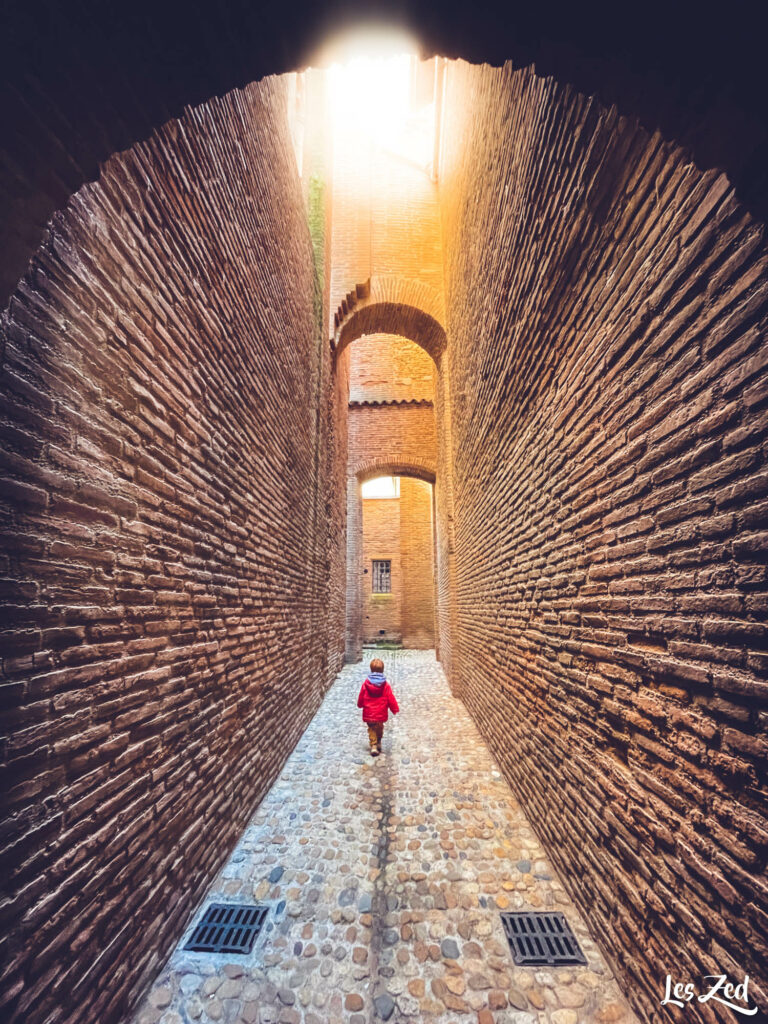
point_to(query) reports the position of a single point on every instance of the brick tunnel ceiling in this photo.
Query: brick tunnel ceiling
(87, 78)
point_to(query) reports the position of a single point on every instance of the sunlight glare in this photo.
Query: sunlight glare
(382, 487)
(371, 95)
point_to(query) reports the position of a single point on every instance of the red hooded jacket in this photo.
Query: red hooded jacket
(376, 700)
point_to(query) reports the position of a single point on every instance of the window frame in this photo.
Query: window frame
(376, 577)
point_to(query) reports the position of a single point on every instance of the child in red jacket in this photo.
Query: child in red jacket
(376, 699)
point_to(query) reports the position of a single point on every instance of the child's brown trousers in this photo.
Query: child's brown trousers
(375, 730)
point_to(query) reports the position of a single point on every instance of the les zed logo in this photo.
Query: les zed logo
(680, 994)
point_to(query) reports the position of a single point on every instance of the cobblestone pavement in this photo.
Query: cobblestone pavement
(385, 878)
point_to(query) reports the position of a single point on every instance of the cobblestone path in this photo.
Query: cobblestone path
(385, 878)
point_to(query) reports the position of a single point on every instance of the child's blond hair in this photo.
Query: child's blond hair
(377, 665)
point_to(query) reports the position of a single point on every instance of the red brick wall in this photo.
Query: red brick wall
(445, 575)
(381, 539)
(607, 320)
(166, 546)
(386, 218)
(387, 368)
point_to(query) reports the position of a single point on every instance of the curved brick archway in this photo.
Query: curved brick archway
(382, 467)
(392, 305)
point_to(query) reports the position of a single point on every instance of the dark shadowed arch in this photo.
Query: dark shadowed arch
(394, 318)
(87, 78)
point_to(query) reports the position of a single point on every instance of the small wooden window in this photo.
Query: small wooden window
(382, 576)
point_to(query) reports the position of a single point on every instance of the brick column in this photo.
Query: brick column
(354, 649)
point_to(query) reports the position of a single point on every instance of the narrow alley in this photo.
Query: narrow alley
(385, 878)
(443, 336)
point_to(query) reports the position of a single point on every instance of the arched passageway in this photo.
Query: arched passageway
(392, 528)
(397, 578)
(392, 432)
(395, 306)
(386, 467)
(178, 434)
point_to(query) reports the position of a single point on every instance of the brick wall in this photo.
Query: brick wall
(381, 539)
(402, 433)
(445, 562)
(386, 218)
(386, 368)
(167, 557)
(417, 553)
(607, 320)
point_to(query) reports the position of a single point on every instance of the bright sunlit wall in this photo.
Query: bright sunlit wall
(382, 487)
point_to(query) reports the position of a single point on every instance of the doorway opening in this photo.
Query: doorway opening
(398, 583)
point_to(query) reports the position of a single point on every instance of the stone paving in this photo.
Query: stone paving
(385, 877)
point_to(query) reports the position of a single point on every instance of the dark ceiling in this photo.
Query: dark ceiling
(84, 78)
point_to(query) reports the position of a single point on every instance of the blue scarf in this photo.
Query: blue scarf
(377, 678)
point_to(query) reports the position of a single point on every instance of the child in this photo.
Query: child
(376, 699)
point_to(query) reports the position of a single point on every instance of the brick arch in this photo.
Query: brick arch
(392, 305)
(372, 468)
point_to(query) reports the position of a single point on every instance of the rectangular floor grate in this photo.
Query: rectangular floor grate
(541, 939)
(227, 928)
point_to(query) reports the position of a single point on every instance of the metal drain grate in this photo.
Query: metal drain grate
(541, 939)
(227, 928)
